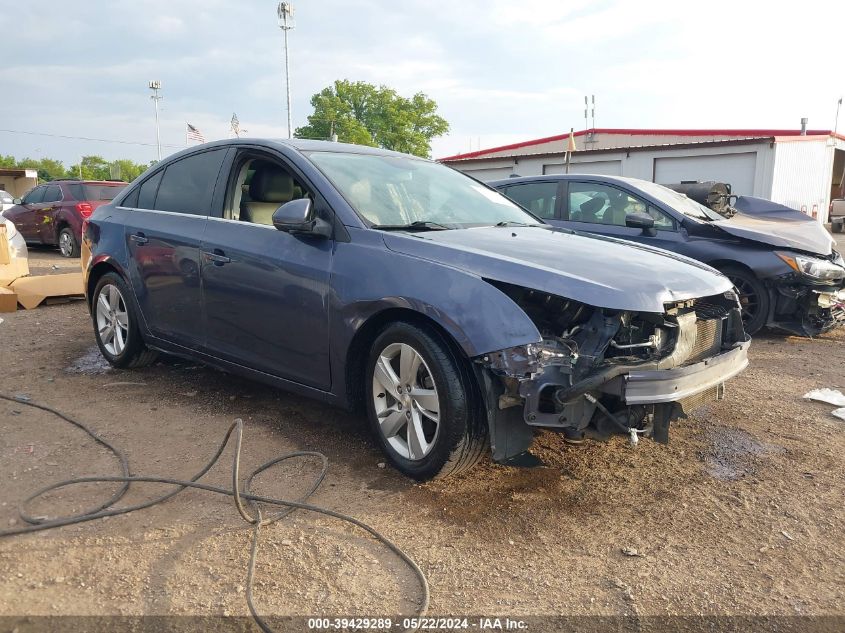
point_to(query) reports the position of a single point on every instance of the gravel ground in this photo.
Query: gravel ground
(741, 514)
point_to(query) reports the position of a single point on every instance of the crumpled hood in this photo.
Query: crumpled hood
(595, 270)
(771, 223)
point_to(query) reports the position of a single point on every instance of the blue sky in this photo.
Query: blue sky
(500, 71)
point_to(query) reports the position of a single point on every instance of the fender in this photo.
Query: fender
(433, 289)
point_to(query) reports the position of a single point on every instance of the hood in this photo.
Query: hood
(774, 224)
(595, 270)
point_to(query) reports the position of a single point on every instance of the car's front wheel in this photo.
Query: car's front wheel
(753, 298)
(422, 403)
(116, 324)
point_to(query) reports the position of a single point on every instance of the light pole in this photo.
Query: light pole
(155, 86)
(286, 23)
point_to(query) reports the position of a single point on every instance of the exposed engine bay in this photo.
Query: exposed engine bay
(597, 372)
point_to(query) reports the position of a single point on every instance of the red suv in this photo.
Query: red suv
(52, 213)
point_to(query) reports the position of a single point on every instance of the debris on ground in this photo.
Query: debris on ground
(830, 396)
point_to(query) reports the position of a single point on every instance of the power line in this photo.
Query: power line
(86, 138)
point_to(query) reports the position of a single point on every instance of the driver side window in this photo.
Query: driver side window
(35, 196)
(260, 186)
(596, 203)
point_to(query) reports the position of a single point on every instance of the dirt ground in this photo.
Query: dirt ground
(741, 514)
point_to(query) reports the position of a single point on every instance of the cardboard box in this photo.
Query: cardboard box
(32, 291)
(5, 256)
(13, 270)
(8, 300)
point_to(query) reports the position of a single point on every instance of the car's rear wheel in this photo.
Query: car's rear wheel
(753, 298)
(68, 245)
(116, 325)
(422, 404)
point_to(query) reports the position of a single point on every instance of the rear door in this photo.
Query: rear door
(601, 208)
(163, 232)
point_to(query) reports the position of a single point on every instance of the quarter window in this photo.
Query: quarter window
(537, 197)
(188, 184)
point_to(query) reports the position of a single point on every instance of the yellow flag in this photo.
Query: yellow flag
(571, 147)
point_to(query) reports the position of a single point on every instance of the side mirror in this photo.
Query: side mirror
(641, 221)
(297, 216)
(17, 201)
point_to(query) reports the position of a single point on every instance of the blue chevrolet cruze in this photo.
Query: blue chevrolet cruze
(399, 287)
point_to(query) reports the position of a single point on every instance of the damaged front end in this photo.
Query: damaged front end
(810, 299)
(598, 372)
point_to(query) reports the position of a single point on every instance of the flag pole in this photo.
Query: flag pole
(186, 134)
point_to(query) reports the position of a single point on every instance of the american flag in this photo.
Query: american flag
(193, 134)
(236, 125)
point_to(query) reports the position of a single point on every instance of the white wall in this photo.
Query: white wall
(634, 164)
(802, 175)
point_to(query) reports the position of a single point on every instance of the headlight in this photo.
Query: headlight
(813, 267)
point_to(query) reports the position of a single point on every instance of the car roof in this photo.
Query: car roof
(300, 145)
(620, 180)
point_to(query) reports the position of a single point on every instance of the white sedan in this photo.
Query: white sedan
(17, 245)
(6, 201)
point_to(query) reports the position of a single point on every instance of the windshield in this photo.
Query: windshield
(679, 202)
(394, 191)
(5, 197)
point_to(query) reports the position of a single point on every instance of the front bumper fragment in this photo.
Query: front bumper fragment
(670, 385)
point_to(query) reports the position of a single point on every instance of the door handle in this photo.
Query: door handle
(216, 257)
(139, 238)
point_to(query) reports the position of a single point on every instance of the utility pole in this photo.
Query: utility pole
(155, 86)
(286, 23)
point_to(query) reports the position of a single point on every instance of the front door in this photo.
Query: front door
(600, 208)
(23, 215)
(163, 232)
(46, 213)
(266, 292)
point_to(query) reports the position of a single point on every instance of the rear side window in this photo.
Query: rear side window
(147, 192)
(188, 184)
(537, 197)
(53, 194)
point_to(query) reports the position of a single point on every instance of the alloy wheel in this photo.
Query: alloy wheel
(406, 401)
(66, 243)
(112, 319)
(748, 299)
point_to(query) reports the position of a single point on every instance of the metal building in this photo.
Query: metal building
(800, 169)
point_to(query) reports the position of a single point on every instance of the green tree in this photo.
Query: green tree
(47, 168)
(365, 114)
(90, 168)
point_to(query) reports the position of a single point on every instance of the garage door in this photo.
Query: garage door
(735, 169)
(493, 173)
(600, 167)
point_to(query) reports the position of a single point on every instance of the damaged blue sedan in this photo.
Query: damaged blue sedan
(398, 287)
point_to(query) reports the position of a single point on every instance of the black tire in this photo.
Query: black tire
(836, 227)
(134, 353)
(753, 296)
(67, 242)
(461, 436)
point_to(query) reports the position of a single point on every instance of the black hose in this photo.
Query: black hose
(257, 521)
